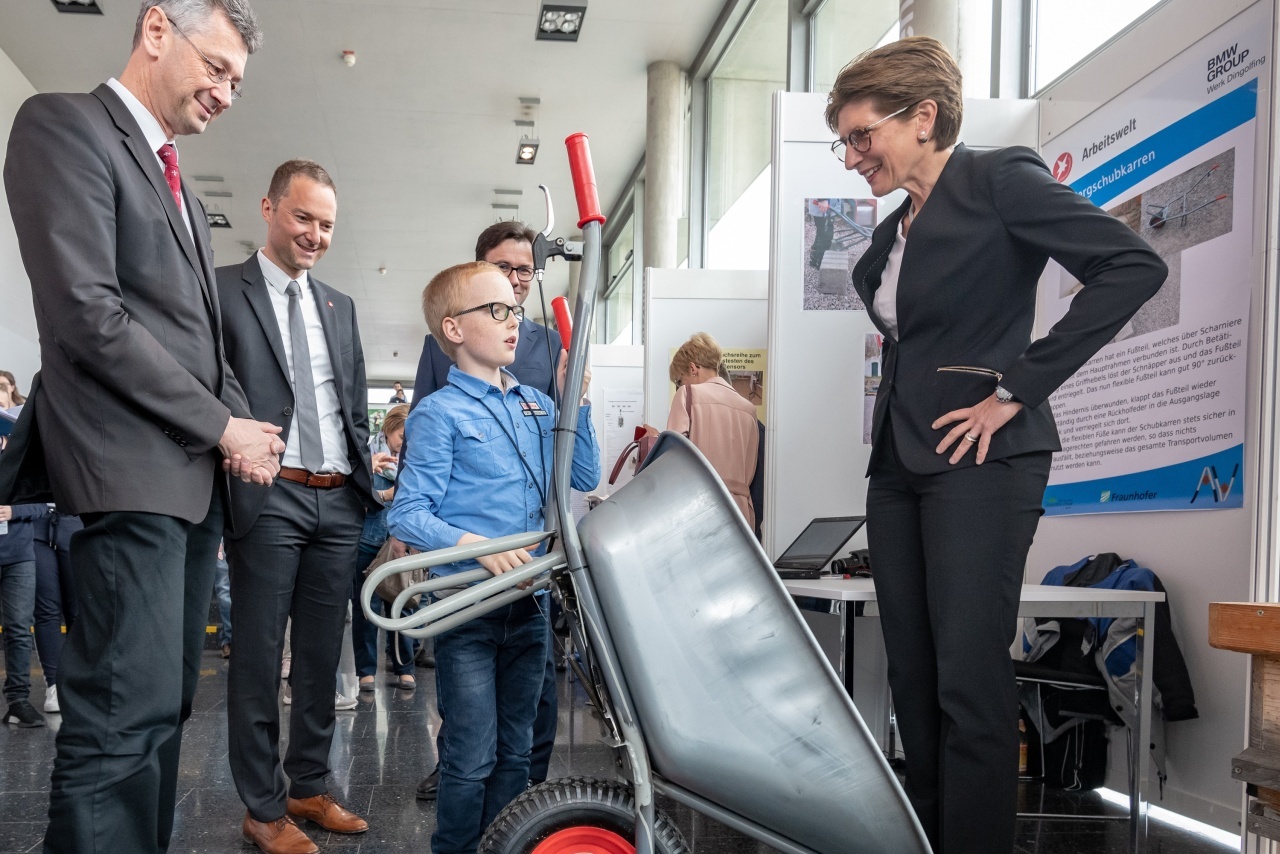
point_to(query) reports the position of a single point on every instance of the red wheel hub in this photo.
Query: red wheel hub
(584, 840)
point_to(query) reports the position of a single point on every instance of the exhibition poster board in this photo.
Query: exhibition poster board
(1155, 421)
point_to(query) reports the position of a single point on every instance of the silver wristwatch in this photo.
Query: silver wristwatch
(1003, 394)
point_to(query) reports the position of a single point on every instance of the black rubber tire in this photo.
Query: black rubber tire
(573, 802)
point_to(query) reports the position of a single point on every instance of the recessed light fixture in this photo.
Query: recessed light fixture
(217, 220)
(560, 23)
(82, 7)
(527, 148)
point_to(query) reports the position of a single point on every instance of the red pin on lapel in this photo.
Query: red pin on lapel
(330, 303)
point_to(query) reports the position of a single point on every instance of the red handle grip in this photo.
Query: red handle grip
(584, 179)
(564, 323)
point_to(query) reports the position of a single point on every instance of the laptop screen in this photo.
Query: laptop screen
(819, 542)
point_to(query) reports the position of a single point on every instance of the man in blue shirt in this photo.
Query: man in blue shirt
(477, 466)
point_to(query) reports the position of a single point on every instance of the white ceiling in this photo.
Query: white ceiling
(417, 135)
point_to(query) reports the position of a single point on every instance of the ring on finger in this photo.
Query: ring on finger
(969, 437)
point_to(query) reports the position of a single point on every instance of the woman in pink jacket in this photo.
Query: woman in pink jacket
(718, 420)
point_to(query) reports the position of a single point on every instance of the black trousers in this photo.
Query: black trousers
(949, 552)
(128, 677)
(295, 560)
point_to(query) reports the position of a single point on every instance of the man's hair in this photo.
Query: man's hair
(192, 15)
(446, 294)
(899, 75)
(394, 419)
(396, 383)
(701, 350)
(287, 171)
(500, 232)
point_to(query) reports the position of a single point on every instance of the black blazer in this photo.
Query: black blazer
(255, 351)
(967, 297)
(135, 392)
(530, 367)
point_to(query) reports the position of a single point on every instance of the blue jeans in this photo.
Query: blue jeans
(364, 634)
(17, 610)
(488, 677)
(222, 589)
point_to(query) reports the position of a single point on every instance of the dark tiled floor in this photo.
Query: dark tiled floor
(382, 749)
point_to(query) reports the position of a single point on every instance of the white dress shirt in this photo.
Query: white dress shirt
(153, 134)
(332, 434)
(886, 296)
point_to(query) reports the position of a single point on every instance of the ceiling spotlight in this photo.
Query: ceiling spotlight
(528, 151)
(560, 23)
(348, 58)
(84, 7)
(217, 220)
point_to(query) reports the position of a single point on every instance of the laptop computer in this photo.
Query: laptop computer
(816, 546)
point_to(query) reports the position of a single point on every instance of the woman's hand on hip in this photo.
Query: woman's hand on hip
(974, 427)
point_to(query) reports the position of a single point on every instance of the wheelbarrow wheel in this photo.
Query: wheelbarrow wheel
(575, 815)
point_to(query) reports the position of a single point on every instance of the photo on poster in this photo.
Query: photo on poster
(871, 372)
(836, 234)
(377, 414)
(1189, 209)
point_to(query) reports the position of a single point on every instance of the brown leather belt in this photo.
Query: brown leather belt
(323, 480)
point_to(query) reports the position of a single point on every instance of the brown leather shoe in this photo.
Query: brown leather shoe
(281, 836)
(325, 811)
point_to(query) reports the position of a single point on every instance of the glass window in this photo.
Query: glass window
(842, 29)
(1066, 31)
(739, 130)
(614, 310)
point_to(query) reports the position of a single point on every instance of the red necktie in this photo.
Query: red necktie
(169, 157)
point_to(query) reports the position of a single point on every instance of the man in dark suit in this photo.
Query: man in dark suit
(509, 245)
(294, 344)
(136, 407)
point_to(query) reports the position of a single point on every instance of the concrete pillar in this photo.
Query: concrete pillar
(966, 30)
(663, 161)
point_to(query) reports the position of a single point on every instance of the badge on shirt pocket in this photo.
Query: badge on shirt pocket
(531, 408)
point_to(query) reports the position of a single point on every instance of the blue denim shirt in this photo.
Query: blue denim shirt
(375, 521)
(479, 461)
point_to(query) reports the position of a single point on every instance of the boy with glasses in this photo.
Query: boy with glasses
(477, 466)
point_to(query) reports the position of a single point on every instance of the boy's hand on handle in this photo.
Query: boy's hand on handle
(500, 562)
(562, 370)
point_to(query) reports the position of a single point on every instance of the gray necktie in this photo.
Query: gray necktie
(304, 386)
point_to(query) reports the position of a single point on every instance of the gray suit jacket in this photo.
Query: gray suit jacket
(135, 391)
(255, 351)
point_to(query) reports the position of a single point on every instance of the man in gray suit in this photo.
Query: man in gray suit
(293, 342)
(136, 406)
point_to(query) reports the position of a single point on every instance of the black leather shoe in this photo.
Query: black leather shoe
(429, 786)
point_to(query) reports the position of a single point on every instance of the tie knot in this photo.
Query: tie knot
(293, 290)
(168, 154)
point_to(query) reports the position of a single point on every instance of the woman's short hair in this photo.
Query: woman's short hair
(902, 74)
(446, 295)
(395, 419)
(701, 350)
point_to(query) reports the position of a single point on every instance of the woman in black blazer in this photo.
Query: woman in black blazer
(962, 434)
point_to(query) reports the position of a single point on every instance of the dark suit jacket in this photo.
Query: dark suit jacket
(135, 392)
(967, 296)
(255, 351)
(531, 366)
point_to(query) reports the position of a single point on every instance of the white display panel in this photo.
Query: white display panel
(731, 306)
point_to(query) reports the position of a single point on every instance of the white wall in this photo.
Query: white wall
(19, 351)
(1202, 557)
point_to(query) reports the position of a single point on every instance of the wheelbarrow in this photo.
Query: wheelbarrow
(707, 683)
